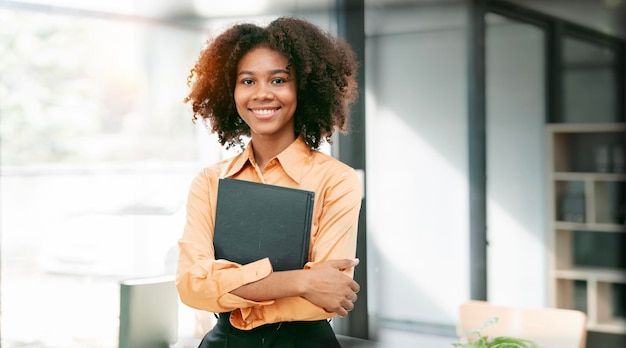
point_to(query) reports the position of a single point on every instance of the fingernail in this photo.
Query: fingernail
(356, 261)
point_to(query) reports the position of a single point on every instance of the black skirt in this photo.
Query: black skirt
(295, 334)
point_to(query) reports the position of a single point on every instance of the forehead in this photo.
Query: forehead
(262, 59)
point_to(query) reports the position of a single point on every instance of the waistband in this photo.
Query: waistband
(224, 321)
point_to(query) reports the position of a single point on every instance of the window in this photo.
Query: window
(97, 152)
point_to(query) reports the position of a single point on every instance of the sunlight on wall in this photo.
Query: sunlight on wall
(417, 181)
(418, 238)
(515, 163)
(515, 241)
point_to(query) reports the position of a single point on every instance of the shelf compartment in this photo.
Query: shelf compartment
(610, 202)
(571, 197)
(611, 299)
(571, 294)
(577, 251)
(595, 152)
(586, 244)
(587, 199)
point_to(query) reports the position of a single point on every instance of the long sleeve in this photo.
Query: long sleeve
(203, 282)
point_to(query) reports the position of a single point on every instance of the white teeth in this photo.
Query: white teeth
(264, 111)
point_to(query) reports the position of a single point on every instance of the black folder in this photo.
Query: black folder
(255, 220)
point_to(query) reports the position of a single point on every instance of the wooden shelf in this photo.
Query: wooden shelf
(592, 274)
(615, 327)
(581, 226)
(585, 127)
(580, 176)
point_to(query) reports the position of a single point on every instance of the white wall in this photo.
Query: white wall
(515, 163)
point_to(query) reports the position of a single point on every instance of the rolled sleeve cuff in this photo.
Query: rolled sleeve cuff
(256, 270)
(249, 273)
(284, 309)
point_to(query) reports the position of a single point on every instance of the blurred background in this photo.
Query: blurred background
(489, 135)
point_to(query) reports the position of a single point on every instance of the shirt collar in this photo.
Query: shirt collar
(293, 159)
(239, 161)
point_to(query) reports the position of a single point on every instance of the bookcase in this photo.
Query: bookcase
(586, 184)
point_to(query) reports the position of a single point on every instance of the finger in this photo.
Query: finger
(342, 312)
(355, 287)
(348, 305)
(344, 264)
(354, 298)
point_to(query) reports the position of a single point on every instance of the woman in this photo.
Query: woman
(287, 87)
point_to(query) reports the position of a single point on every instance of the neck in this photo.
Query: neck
(266, 149)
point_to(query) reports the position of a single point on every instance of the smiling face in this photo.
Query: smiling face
(265, 95)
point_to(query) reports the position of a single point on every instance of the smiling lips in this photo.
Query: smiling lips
(264, 113)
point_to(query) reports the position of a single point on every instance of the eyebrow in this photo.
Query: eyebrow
(272, 72)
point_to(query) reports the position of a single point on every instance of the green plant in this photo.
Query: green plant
(496, 342)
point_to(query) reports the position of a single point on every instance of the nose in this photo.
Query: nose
(263, 92)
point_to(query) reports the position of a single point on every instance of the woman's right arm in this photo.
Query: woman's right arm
(203, 282)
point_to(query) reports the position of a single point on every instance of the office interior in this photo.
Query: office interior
(462, 105)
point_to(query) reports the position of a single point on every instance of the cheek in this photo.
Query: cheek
(290, 97)
(240, 98)
(237, 95)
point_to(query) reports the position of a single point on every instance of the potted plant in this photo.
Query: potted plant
(496, 342)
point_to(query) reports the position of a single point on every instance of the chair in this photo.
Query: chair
(548, 327)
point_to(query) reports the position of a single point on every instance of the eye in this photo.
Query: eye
(278, 80)
(247, 82)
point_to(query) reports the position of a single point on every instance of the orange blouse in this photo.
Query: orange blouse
(205, 283)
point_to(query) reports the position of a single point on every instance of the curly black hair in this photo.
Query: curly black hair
(325, 68)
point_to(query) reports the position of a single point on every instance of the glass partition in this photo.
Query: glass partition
(589, 82)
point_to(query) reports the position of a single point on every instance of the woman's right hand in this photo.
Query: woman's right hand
(326, 285)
